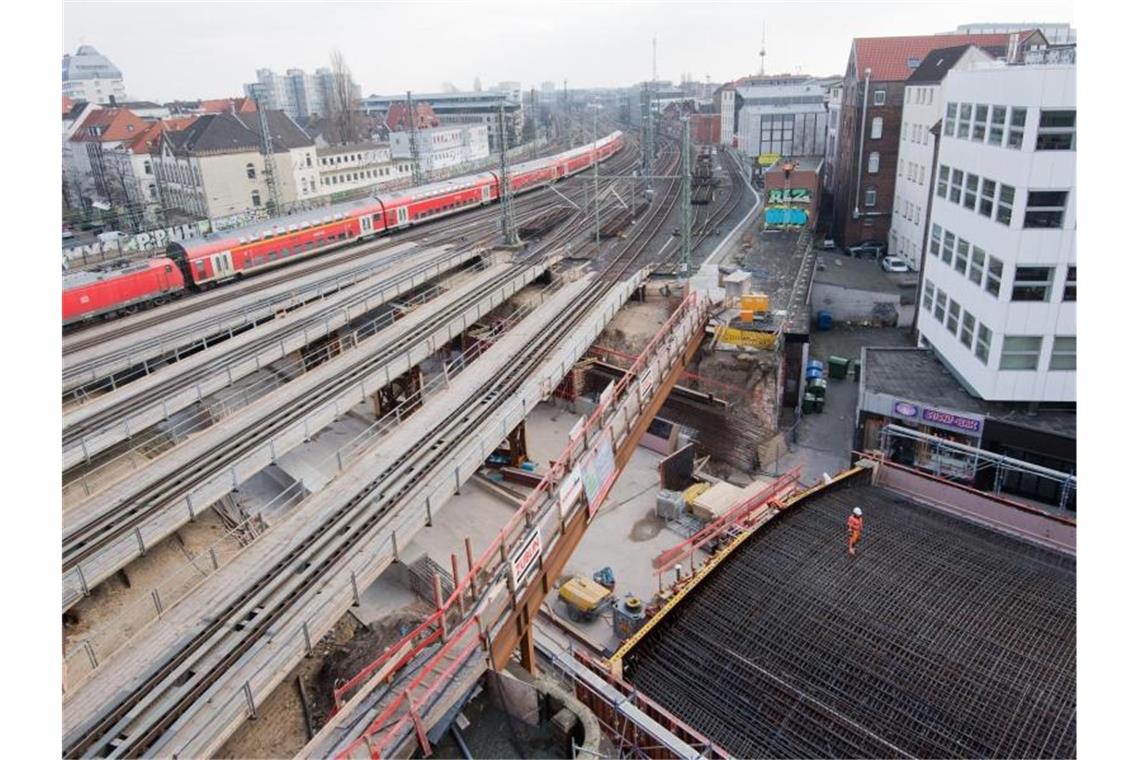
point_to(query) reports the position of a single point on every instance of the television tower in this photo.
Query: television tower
(763, 50)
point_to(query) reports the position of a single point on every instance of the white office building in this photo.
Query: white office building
(922, 108)
(998, 300)
(90, 76)
(443, 147)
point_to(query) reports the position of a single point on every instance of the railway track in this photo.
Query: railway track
(92, 427)
(135, 721)
(233, 360)
(99, 372)
(157, 490)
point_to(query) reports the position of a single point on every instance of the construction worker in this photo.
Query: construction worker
(854, 529)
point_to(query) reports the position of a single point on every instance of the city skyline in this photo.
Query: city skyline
(700, 40)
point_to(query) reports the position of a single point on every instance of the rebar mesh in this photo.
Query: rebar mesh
(940, 639)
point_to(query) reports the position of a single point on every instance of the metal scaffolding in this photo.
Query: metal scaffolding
(940, 639)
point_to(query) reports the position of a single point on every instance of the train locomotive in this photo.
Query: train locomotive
(123, 287)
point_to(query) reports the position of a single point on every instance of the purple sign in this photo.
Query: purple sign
(903, 409)
(954, 421)
(937, 417)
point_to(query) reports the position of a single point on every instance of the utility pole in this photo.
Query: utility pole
(686, 199)
(510, 237)
(597, 194)
(273, 202)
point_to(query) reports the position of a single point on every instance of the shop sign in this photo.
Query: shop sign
(767, 159)
(937, 418)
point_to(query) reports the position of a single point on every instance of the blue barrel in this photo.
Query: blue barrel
(815, 364)
(823, 320)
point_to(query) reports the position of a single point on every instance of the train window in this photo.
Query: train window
(376, 219)
(168, 268)
(296, 250)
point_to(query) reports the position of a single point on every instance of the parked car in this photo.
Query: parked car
(827, 245)
(894, 264)
(68, 233)
(868, 249)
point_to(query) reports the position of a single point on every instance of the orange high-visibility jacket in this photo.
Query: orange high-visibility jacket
(855, 524)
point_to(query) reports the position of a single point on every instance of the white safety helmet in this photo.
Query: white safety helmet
(858, 512)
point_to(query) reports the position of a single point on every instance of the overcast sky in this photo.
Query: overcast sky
(170, 50)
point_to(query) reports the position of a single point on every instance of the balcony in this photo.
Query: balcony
(1059, 55)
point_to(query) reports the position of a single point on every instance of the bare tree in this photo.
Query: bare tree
(342, 109)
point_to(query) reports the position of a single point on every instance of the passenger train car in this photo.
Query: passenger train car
(207, 261)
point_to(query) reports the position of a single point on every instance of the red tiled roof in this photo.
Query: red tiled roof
(397, 118)
(113, 124)
(147, 140)
(889, 57)
(229, 105)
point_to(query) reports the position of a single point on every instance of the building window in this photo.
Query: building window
(255, 198)
(993, 277)
(873, 163)
(1032, 283)
(870, 196)
(928, 295)
(982, 347)
(943, 179)
(948, 247)
(970, 200)
(952, 317)
(986, 204)
(935, 239)
(250, 171)
(1045, 208)
(876, 127)
(1020, 352)
(940, 306)
(997, 125)
(1016, 128)
(977, 265)
(967, 336)
(951, 117)
(961, 260)
(880, 97)
(981, 114)
(1005, 204)
(1064, 356)
(1057, 130)
(964, 112)
(956, 186)
(1070, 285)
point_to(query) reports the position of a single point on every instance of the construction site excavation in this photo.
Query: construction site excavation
(545, 455)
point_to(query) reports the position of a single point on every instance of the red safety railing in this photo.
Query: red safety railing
(737, 514)
(433, 627)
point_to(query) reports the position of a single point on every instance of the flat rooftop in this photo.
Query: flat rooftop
(940, 639)
(918, 375)
(858, 274)
(775, 262)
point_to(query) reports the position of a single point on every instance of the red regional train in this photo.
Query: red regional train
(207, 261)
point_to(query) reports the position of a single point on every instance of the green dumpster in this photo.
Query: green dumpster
(837, 367)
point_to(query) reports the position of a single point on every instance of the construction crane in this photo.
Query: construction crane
(273, 202)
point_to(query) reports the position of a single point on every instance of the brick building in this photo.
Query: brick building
(871, 119)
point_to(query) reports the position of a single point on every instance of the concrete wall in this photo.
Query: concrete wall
(854, 305)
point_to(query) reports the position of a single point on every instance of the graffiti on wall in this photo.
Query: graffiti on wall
(794, 195)
(776, 217)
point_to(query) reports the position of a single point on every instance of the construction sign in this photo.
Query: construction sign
(597, 470)
(767, 159)
(746, 338)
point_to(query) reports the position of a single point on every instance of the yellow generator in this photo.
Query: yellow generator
(584, 598)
